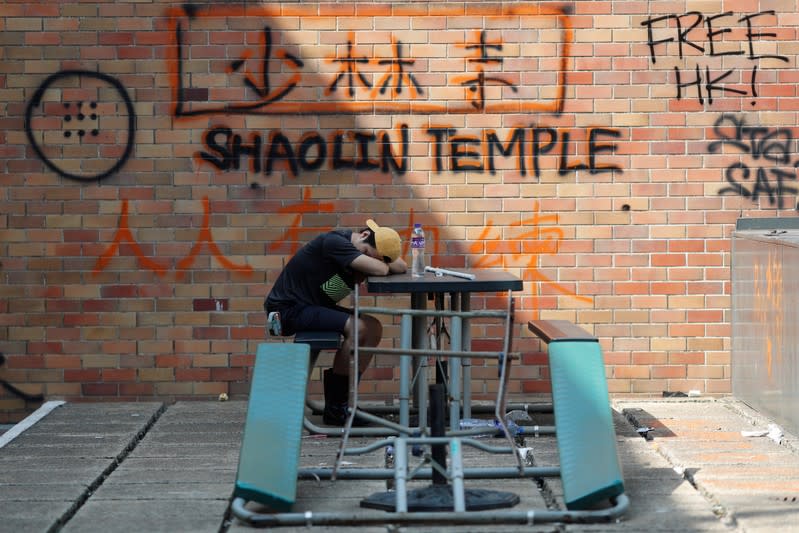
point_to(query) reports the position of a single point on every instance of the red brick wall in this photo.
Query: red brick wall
(160, 166)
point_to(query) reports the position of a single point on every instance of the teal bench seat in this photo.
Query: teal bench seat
(318, 341)
(270, 448)
(589, 461)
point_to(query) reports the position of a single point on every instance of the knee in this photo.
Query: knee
(370, 330)
(374, 330)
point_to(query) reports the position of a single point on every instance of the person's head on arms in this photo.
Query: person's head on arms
(383, 244)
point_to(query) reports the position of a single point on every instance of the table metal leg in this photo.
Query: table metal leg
(455, 376)
(438, 429)
(420, 341)
(440, 496)
(466, 344)
(401, 476)
(406, 368)
(456, 469)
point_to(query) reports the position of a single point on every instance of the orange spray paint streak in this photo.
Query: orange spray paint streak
(777, 292)
(759, 311)
(768, 308)
(124, 235)
(205, 237)
(292, 233)
(271, 101)
(537, 241)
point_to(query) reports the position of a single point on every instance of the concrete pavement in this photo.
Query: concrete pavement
(132, 467)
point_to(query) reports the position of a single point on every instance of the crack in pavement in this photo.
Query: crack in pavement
(726, 516)
(100, 479)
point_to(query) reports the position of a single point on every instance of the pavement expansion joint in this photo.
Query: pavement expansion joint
(719, 510)
(726, 516)
(100, 479)
(545, 490)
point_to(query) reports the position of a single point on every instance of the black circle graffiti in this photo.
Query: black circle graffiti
(36, 101)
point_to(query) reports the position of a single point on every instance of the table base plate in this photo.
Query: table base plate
(437, 498)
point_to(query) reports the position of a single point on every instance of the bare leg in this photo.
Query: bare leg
(337, 379)
(370, 331)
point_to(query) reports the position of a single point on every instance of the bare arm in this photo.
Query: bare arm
(375, 267)
(398, 267)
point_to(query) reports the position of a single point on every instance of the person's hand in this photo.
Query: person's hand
(397, 267)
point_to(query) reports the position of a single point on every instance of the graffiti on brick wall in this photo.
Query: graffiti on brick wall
(297, 233)
(81, 124)
(274, 69)
(529, 239)
(289, 242)
(451, 150)
(124, 238)
(765, 169)
(292, 236)
(19, 393)
(702, 41)
(311, 151)
(458, 151)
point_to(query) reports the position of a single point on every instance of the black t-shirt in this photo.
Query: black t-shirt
(318, 274)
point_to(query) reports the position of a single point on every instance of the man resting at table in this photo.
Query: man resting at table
(305, 297)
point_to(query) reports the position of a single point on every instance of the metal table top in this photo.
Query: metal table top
(485, 281)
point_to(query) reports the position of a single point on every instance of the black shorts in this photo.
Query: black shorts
(313, 318)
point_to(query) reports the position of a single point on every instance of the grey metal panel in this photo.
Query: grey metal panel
(765, 324)
(767, 223)
(786, 237)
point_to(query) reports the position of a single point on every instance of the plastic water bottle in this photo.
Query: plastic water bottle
(477, 423)
(417, 251)
(390, 459)
(490, 424)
